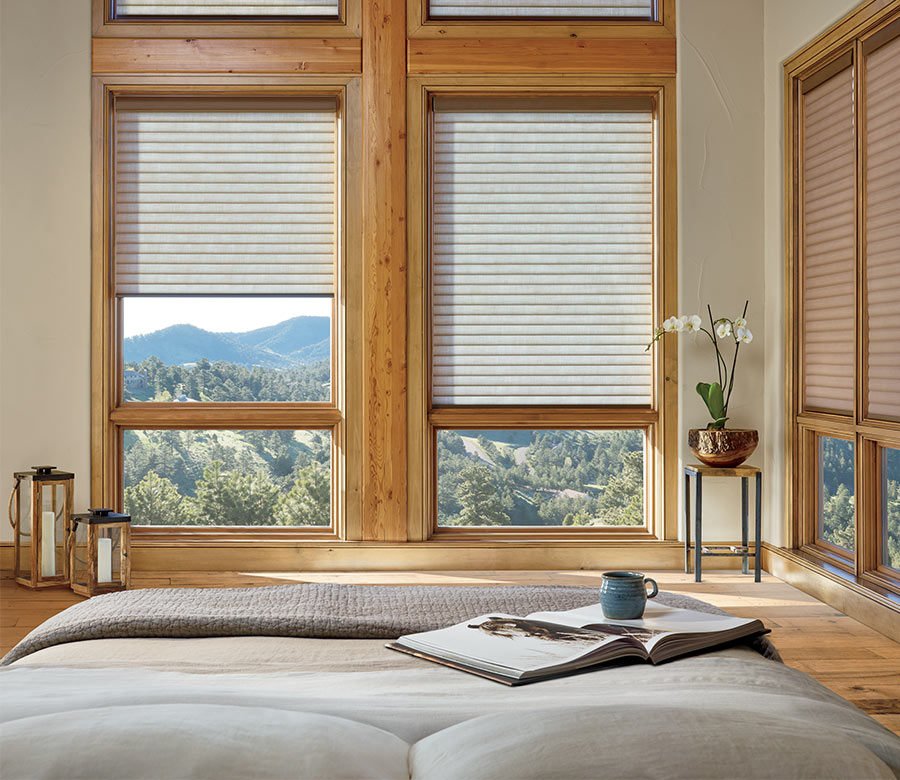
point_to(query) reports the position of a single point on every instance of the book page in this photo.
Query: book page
(659, 620)
(510, 644)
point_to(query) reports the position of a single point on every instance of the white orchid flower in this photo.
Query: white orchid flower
(672, 325)
(743, 335)
(740, 322)
(690, 322)
(723, 329)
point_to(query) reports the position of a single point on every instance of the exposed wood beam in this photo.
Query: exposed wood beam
(598, 57)
(384, 280)
(231, 55)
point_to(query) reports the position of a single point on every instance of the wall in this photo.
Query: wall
(731, 238)
(45, 239)
(720, 151)
(788, 27)
(731, 246)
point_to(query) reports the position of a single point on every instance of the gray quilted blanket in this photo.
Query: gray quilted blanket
(324, 610)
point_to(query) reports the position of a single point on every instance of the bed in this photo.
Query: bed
(295, 682)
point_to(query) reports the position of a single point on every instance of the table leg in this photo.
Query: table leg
(687, 522)
(758, 563)
(745, 512)
(698, 528)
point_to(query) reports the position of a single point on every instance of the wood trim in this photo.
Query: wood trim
(268, 416)
(550, 56)
(347, 25)
(326, 555)
(384, 292)
(844, 592)
(540, 417)
(667, 480)
(847, 41)
(226, 55)
(110, 419)
(659, 422)
(846, 29)
(419, 26)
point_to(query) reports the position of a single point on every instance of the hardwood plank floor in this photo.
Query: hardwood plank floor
(851, 659)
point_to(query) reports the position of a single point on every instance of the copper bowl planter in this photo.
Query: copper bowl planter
(725, 448)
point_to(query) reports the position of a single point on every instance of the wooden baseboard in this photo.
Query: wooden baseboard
(853, 599)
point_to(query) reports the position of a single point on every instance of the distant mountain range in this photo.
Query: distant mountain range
(294, 342)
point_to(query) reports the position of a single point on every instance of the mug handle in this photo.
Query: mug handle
(648, 581)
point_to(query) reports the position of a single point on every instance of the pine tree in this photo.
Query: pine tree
(235, 498)
(308, 502)
(478, 498)
(156, 501)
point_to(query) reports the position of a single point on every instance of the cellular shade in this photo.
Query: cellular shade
(213, 199)
(265, 8)
(542, 252)
(882, 225)
(829, 244)
(536, 9)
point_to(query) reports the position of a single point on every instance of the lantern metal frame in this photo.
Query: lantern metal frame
(39, 478)
(96, 520)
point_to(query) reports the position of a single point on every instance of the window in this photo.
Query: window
(540, 9)
(846, 406)
(837, 495)
(890, 508)
(226, 9)
(225, 214)
(227, 477)
(562, 478)
(542, 265)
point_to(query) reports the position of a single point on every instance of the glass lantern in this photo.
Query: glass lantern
(40, 506)
(98, 552)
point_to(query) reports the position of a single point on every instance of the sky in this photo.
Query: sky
(145, 315)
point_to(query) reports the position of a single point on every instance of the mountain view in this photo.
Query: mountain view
(219, 478)
(294, 342)
(290, 361)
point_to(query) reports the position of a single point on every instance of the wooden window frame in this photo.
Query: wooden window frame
(419, 25)
(853, 37)
(105, 25)
(659, 419)
(111, 416)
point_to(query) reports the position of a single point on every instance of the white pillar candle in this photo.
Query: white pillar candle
(104, 559)
(48, 544)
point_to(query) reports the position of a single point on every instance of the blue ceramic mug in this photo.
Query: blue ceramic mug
(623, 594)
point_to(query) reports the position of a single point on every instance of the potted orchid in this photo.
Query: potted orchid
(717, 445)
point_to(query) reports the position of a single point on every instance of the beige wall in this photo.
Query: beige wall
(44, 239)
(730, 139)
(731, 217)
(720, 236)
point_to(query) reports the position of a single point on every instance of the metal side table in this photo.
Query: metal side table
(698, 472)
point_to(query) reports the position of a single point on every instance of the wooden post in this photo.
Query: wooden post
(384, 482)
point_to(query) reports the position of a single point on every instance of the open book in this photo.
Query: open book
(516, 650)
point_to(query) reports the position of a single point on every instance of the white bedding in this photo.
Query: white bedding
(319, 708)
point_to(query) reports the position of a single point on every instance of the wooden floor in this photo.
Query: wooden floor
(853, 660)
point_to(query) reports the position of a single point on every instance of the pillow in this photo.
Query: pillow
(641, 742)
(198, 741)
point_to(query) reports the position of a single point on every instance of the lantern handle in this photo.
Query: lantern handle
(9, 512)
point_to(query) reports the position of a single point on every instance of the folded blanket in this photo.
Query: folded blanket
(325, 610)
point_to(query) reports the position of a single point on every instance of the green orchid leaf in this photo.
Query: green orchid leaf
(714, 399)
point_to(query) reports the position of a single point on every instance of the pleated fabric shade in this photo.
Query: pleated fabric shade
(283, 8)
(542, 252)
(536, 9)
(828, 324)
(219, 200)
(882, 226)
